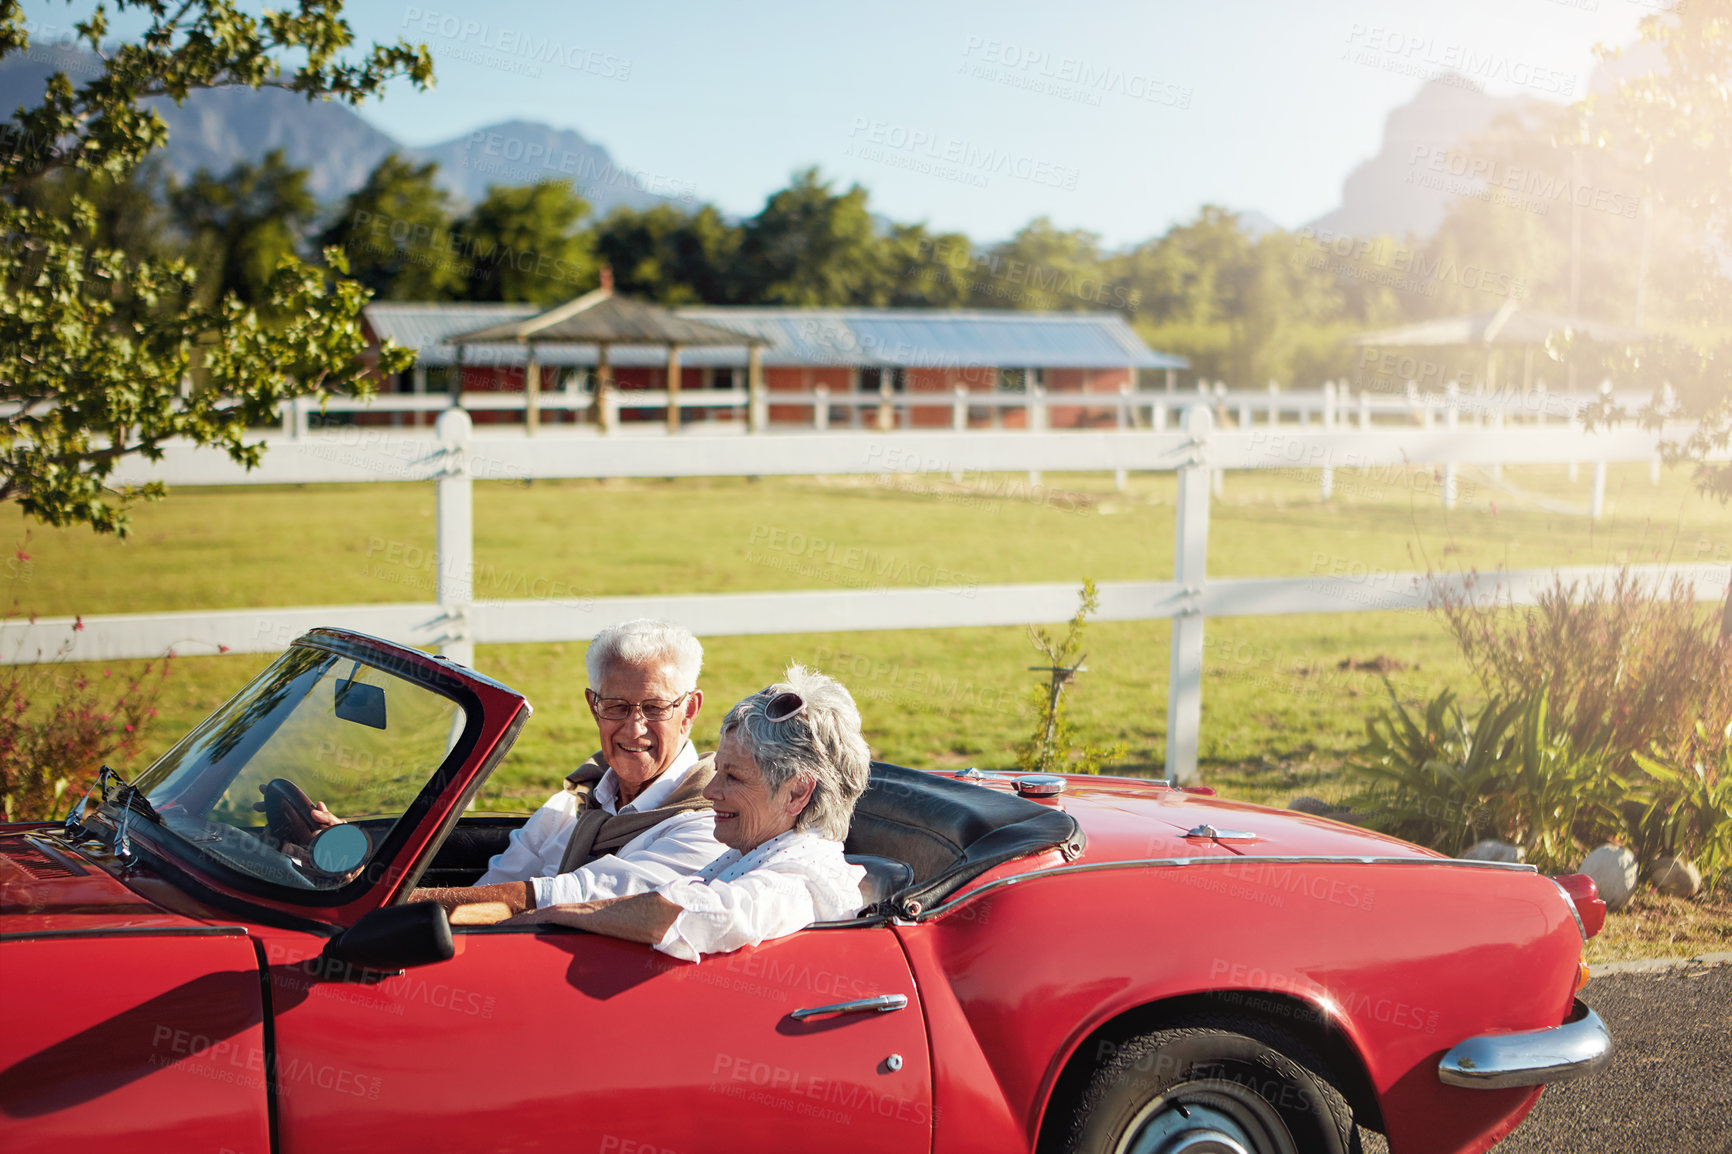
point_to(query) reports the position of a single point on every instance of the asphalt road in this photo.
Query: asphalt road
(1668, 1087)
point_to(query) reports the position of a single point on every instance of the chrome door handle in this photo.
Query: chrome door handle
(881, 1003)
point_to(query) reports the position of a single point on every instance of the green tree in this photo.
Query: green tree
(1046, 269)
(672, 257)
(94, 345)
(523, 244)
(395, 231)
(241, 226)
(812, 247)
(1676, 118)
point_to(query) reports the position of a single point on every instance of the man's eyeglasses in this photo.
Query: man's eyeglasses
(618, 708)
(784, 705)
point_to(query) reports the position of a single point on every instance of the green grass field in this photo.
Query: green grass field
(1280, 710)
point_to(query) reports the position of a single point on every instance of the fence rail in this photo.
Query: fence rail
(454, 455)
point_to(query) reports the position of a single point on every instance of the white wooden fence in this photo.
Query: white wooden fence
(453, 455)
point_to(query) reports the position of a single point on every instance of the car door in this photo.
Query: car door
(564, 1040)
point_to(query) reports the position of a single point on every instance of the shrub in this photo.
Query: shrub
(1447, 781)
(1625, 666)
(57, 728)
(1054, 746)
(1688, 810)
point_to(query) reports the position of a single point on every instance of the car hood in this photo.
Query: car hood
(46, 887)
(1129, 819)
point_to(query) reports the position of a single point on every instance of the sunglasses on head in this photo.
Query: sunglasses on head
(782, 706)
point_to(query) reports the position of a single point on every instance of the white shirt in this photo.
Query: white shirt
(675, 848)
(738, 900)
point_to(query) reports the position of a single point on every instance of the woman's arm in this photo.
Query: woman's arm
(639, 918)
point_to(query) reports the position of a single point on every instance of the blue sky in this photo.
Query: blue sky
(1122, 118)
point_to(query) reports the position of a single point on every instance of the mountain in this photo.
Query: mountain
(524, 152)
(216, 128)
(1383, 195)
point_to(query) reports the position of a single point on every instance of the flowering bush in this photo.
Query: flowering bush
(58, 725)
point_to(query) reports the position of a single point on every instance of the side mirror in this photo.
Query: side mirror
(389, 940)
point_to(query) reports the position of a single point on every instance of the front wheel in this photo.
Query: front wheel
(1210, 1091)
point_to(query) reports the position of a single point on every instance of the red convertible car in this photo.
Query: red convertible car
(1045, 963)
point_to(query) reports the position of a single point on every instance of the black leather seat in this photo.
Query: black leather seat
(884, 876)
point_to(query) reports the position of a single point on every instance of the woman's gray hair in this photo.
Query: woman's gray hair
(824, 742)
(645, 641)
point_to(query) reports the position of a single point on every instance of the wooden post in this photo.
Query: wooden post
(673, 389)
(531, 391)
(418, 379)
(454, 580)
(1597, 499)
(1190, 567)
(757, 413)
(603, 401)
(886, 414)
(820, 406)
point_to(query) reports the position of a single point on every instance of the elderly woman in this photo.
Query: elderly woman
(789, 768)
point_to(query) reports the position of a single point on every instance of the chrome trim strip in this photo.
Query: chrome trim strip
(1570, 904)
(880, 1003)
(1223, 859)
(130, 932)
(1531, 1058)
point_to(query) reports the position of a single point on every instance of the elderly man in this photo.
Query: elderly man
(633, 817)
(790, 766)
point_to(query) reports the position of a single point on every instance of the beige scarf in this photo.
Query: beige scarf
(599, 832)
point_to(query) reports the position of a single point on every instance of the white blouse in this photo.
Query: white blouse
(675, 848)
(738, 900)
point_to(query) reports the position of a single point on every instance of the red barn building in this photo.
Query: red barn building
(867, 360)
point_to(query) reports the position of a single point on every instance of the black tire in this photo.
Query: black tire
(1211, 1090)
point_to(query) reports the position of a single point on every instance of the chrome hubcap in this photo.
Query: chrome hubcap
(1208, 1121)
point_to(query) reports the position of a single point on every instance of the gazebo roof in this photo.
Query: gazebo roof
(600, 317)
(1509, 325)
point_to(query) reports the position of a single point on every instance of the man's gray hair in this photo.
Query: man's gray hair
(824, 743)
(645, 641)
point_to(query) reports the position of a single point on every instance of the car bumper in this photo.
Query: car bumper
(1532, 1058)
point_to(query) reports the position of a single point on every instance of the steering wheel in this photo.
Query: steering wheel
(288, 812)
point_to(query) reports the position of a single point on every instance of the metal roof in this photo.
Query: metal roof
(600, 317)
(1509, 325)
(910, 338)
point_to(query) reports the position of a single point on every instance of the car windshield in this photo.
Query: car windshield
(316, 727)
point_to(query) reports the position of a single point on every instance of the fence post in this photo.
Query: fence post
(1274, 404)
(1036, 421)
(1326, 475)
(1121, 479)
(821, 406)
(454, 581)
(959, 407)
(1452, 422)
(1597, 499)
(757, 412)
(1190, 565)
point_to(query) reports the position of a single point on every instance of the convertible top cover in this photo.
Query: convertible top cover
(949, 831)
